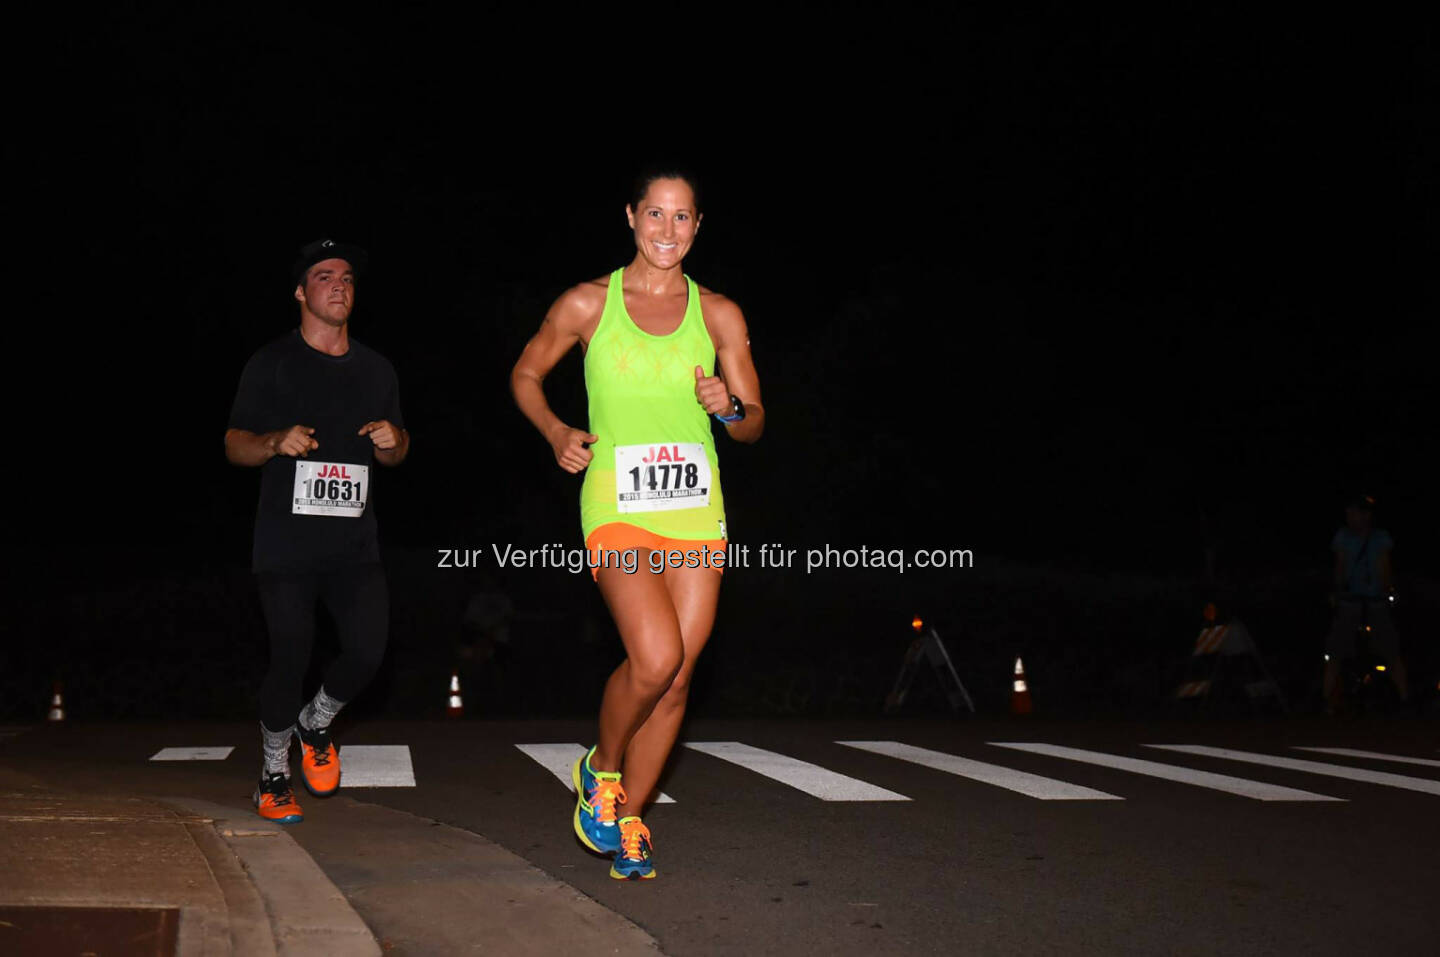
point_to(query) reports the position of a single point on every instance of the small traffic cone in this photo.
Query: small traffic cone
(456, 706)
(57, 704)
(1020, 696)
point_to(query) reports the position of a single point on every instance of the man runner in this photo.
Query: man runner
(314, 410)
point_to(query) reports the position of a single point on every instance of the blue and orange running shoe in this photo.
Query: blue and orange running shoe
(596, 794)
(633, 863)
(275, 801)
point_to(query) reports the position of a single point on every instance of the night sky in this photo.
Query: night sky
(1047, 289)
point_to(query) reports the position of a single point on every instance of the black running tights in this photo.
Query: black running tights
(356, 598)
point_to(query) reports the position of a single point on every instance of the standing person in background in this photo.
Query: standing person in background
(1362, 590)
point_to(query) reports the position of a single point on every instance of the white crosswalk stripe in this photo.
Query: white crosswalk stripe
(1375, 756)
(1032, 785)
(1312, 767)
(391, 766)
(559, 760)
(1257, 790)
(376, 766)
(820, 782)
(191, 754)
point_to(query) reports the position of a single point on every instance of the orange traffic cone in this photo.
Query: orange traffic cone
(57, 704)
(1020, 697)
(456, 707)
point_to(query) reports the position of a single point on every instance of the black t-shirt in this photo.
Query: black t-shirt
(285, 383)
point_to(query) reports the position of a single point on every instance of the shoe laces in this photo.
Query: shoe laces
(319, 744)
(632, 832)
(604, 798)
(278, 787)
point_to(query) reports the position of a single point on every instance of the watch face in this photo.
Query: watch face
(737, 405)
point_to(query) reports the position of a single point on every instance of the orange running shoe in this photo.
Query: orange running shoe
(274, 801)
(319, 761)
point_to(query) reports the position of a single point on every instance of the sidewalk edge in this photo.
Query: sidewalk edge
(306, 914)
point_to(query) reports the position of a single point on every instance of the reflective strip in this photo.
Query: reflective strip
(1210, 640)
(1192, 689)
(1020, 685)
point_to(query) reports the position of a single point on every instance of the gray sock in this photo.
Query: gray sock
(277, 749)
(321, 710)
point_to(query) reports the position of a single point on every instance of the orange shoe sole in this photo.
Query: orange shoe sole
(322, 780)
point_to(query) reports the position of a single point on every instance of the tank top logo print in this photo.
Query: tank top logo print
(654, 364)
(622, 361)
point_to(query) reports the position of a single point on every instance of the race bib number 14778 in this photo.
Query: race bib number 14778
(337, 489)
(655, 478)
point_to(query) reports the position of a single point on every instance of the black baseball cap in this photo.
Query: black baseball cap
(323, 249)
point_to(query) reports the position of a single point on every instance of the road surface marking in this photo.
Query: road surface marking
(559, 760)
(1169, 772)
(802, 775)
(1375, 755)
(1313, 767)
(376, 766)
(1033, 785)
(191, 754)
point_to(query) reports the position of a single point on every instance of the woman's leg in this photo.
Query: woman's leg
(694, 593)
(644, 612)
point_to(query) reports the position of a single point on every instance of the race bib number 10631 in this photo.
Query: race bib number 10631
(655, 478)
(330, 488)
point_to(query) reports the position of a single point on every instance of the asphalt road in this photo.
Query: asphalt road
(1264, 860)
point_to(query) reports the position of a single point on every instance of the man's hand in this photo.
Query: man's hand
(712, 393)
(295, 441)
(569, 447)
(382, 433)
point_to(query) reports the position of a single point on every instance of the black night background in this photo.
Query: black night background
(1083, 299)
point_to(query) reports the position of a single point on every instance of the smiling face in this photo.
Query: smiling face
(328, 292)
(665, 222)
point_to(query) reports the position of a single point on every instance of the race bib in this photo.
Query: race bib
(330, 488)
(659, 478)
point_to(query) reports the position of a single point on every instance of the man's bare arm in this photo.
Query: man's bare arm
(256, 448)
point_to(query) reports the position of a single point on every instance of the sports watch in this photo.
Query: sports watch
(738, 414)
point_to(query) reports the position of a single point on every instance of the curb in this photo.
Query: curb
(279, 900)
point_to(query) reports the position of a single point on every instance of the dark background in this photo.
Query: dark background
(1078, 297)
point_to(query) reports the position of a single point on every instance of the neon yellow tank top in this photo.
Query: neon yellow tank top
(655, 465)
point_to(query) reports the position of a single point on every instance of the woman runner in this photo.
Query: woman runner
(651, 338)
